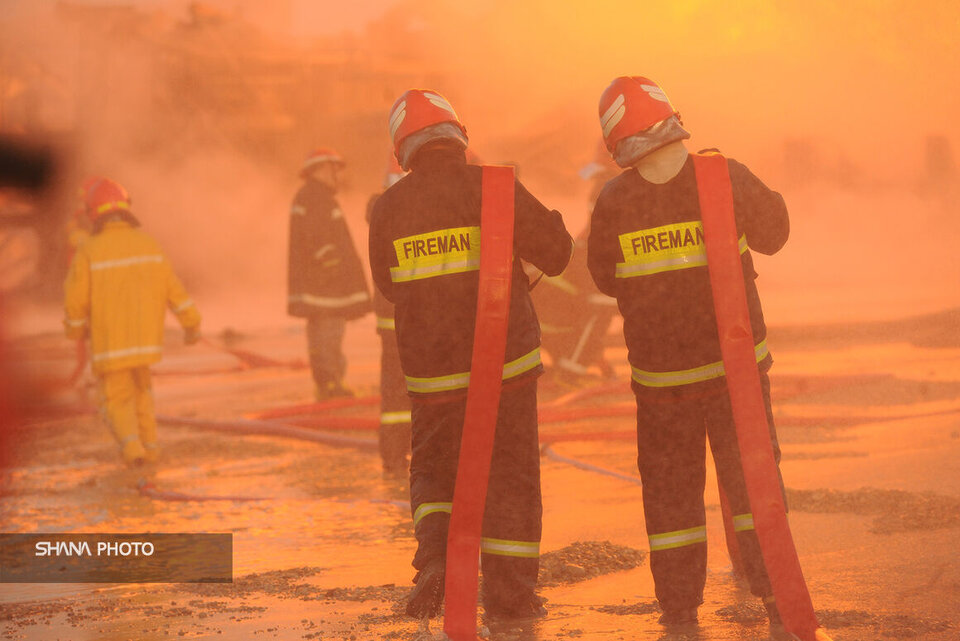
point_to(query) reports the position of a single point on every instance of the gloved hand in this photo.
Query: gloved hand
(191, 335)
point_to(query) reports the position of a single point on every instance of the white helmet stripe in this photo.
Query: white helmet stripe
(656, 93)
(397, 117)
(613, 115)
(441, 102)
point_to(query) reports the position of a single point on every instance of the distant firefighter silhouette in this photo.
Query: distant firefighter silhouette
(326, 284)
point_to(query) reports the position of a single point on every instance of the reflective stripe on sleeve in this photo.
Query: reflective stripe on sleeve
(386, 323)
(184, 305)
(678, 538)
(425, 509)
(125, 262)
(562, 284)
(298, 210)
(501, 547)
(131, 351)
(425, 385)
(743, 522)
(687, 376)
(76, 323)
(395, 418)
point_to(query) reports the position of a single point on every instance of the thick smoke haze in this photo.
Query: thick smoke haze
(203, 110)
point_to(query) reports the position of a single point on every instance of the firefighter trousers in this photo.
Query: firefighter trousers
(325, 347)
(672, 462)
(126, 405)
(510, 544)
(394, 407)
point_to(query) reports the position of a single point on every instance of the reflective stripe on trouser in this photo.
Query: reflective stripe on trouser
(126, 405)
(512, 517)
(693, 375)
(672, 462)
(325, 347)
(395, 419)
(449, 382)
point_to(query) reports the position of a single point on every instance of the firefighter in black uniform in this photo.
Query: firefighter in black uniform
(424, 254)
(394, 434)
(574, 316)
(325, 277)
(646, 249)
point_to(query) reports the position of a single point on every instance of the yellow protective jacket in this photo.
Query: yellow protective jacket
(117, 288)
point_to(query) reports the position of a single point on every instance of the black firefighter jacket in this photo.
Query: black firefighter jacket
(325, 275)
(646, 249)
(424, 255)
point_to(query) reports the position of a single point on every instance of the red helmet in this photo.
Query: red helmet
(320, 155)
(629, 105)
(83, 193)
(106, 196)
(417, 109)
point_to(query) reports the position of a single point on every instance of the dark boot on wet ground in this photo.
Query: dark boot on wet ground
(427, 594)
(682, 616)
(514, 610)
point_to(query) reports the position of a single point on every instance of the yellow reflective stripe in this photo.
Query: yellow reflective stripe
(76, 323)
(664, 248)
(562, 284)
(687, 376)
(118, 204)
(386, 323)
(124, 262)
(501, 547)
(436, 253)
(678, 538)
(425, 509)
(184, 305)
(512, 369)
(132, 351)
(743, 522)
(323, 301)
(394, 418)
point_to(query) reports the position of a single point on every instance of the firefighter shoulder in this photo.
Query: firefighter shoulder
(122, 281)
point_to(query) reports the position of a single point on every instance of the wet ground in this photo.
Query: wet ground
(869, 423)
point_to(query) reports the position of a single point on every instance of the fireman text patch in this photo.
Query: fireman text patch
(665, 248)
(436, 253)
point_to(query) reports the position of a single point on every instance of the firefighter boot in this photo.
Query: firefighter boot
(133, 451)
(427, 594)
(682, 617)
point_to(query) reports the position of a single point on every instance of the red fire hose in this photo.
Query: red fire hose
(483, 400)
(746, 398)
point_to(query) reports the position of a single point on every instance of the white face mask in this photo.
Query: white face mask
(633, 148)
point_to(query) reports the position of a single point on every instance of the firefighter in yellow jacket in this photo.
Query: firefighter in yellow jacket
(118, 288)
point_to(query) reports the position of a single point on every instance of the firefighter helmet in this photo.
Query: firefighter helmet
(417, 109)
(106, 196)
(318, 156)
(83, 193)
(630, 105)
